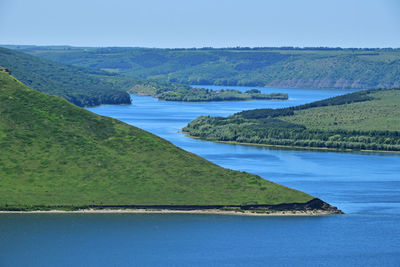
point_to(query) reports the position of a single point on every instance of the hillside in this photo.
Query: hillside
(81, 86)
(56, 155)
(91, 87)
(269, 67)
(366, 120)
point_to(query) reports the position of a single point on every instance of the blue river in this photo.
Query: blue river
(366, 186)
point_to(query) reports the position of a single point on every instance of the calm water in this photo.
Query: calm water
(364, 185)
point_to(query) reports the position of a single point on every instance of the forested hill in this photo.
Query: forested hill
(269, 67)
(366, 120)
(55, 155)
(80, 86)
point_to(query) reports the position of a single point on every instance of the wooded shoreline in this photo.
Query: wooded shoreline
(327, 149)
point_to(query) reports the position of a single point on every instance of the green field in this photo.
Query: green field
(283, 67)
(56, 155)
(366, 120)
(381, 114)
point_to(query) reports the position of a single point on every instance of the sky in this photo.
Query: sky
(201, 23)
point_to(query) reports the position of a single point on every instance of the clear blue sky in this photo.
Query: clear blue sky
(200, 23)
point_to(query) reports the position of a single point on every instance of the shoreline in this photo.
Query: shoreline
(326, 149)
(167, 211)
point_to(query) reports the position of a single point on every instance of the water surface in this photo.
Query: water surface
(364, 185)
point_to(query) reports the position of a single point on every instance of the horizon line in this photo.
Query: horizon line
(210, 47)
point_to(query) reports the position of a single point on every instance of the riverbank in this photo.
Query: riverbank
(327, 149)
(313, 207)
(166, 211)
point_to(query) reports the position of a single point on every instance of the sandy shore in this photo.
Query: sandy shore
(165, 211)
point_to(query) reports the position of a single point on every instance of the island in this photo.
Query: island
(367, 120)
(56, 156)
(186, 93)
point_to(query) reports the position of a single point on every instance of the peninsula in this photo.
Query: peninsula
(57, 156)
(366, 120)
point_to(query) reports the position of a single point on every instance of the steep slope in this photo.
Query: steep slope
(56, 155)
(366, 120)
(81, 86)
(269, 66)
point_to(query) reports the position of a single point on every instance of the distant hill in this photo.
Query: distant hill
(81, 86)
(366, 120)
(55, 155)
(269, 67)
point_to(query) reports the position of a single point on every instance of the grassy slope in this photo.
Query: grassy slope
(381, 114)
(53, 153)
(271, 67)
(83, 87)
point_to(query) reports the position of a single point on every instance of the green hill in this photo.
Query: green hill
(81, 86)
(56, 155)
(269, 67)
(366, 120)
